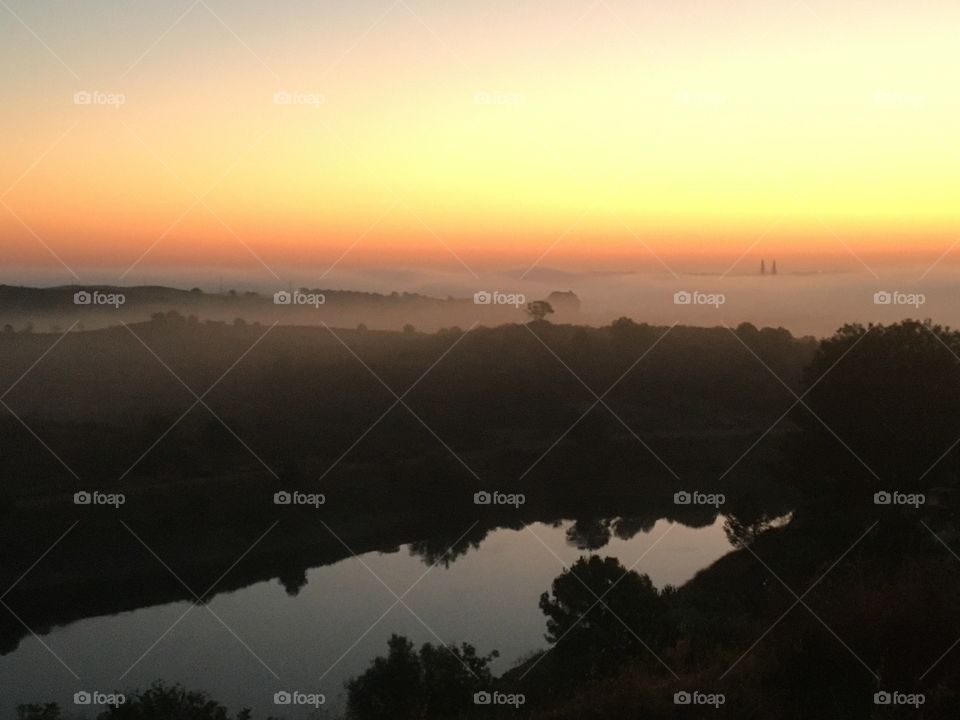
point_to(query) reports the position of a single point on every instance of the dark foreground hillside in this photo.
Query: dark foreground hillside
(837, 463)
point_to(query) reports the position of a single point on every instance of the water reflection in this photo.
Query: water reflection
(317, 629)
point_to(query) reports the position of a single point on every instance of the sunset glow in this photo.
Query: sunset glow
(428, 132)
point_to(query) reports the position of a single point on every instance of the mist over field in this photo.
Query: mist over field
(806, 303)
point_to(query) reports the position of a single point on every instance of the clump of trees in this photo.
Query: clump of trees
(159, 702)
(436, 682)
(600, 613)
(888, 398)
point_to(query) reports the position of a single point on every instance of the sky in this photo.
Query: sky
(313, 138)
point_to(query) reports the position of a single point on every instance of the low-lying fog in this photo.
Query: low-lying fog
(814, 303)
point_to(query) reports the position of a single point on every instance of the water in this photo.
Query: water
(249, 644)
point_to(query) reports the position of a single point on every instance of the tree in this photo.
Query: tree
(538, 310)
(623, 325)
(409, 329)
(589, 533)
(165, 702)
(437, 682)
(159, 702)
(595, 636)
(439, 551)
(891, 394)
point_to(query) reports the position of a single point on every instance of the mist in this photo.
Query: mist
(805, 303)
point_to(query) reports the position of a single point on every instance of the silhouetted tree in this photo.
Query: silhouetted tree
(589, 533)
(159, 702)
(887, 397)
(595, 636)
(538, 310)
(440, 551)
(164, 702)
(628, 527)
(742, 531)
(437, 682)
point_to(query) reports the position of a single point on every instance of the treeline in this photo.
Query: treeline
(30, 310)
(299, 398)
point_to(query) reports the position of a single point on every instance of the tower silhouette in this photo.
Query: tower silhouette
(763, 267)
(773, 269)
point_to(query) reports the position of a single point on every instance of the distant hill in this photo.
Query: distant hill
(55, 309)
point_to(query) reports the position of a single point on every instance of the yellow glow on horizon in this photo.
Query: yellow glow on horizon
(608, 138)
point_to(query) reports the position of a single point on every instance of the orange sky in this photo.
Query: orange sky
(500, 135)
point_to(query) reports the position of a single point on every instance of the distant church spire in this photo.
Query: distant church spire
(763, 267)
